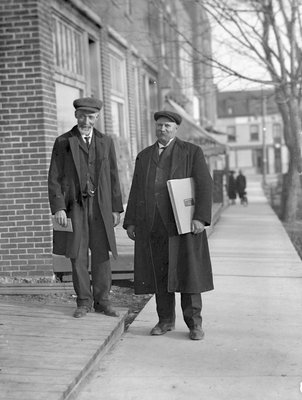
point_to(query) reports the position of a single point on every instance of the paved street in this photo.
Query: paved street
(253, 325)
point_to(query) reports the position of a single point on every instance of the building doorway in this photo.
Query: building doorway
(278, 160)
(258, 160)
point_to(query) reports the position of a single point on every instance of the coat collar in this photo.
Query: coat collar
(75, 139)
(178, 155)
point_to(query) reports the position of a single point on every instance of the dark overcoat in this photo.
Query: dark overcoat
(64, 188)
(232, 187)
(241, 184)
(190, 268)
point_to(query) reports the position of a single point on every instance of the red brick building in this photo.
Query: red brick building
(137, 56)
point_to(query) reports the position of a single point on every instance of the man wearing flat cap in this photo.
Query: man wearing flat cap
(166, 262)
(83, 185)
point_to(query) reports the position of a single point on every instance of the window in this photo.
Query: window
(277, 133)
(254, 133)
(75, 75)
(117, 67)
(231, 133)
(68, 48)
(65, 112)
(170, 44)
(118, 94)
(118, 117)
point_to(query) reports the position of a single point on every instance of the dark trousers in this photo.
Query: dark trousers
(191, 303)
(93, 237)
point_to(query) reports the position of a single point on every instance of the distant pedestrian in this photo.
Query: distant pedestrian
(231, 187)
(83, 185)
(241, 188)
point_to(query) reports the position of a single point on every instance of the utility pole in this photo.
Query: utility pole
(264, 158)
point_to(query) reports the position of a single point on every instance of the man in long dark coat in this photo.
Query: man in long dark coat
(83, 185)
(166, 262)
(231, 187)
(241, 187)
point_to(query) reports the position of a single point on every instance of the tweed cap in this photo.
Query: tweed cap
(172, 116)
(88, 104)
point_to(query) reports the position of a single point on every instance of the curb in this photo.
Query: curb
(38, 288)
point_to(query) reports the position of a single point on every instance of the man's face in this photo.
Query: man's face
(86, 120)
(165, 130)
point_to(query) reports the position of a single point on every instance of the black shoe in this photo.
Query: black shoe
(196, 333)
(161, 328)
(107, 310)
(80, 312)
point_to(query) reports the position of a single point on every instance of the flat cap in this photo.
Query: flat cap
(88, 104)
(172, 116)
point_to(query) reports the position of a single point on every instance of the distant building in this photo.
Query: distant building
(137, 56)
(253, 131)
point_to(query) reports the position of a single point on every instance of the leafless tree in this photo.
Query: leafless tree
(269, 32)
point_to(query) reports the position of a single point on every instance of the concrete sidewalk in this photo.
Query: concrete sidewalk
(252, 320)
(45, 353)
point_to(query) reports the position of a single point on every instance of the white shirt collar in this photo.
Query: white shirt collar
(161, 146)
(84, 135)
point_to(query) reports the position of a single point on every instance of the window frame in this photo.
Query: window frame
(277, 133)
(119, 97)
(229, 135)
(254, 136)
(64, 29)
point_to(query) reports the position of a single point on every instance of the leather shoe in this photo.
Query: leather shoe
(196, 334)
(162, 328)
(80, 312)
(108, 310)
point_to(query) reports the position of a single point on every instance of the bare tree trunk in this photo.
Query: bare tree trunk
(290, 190)
(289, 108)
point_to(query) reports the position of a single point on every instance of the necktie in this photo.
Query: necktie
(87, 142)
(161, 150)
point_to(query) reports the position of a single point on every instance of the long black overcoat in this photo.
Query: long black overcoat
(190, 268)
(64, 189)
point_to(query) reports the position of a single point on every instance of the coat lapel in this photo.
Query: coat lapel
(83, 145)
(155, 153)
(74, 147)
(99, 144)
(178, 156)
(151, 157)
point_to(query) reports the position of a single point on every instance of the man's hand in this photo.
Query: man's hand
(197, 226)
(61, 218)
(131, 232)
(116, 218)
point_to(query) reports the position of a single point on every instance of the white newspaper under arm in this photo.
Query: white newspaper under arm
(182, 196)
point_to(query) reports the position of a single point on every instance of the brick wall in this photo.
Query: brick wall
(28, 114)
(27, 131)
